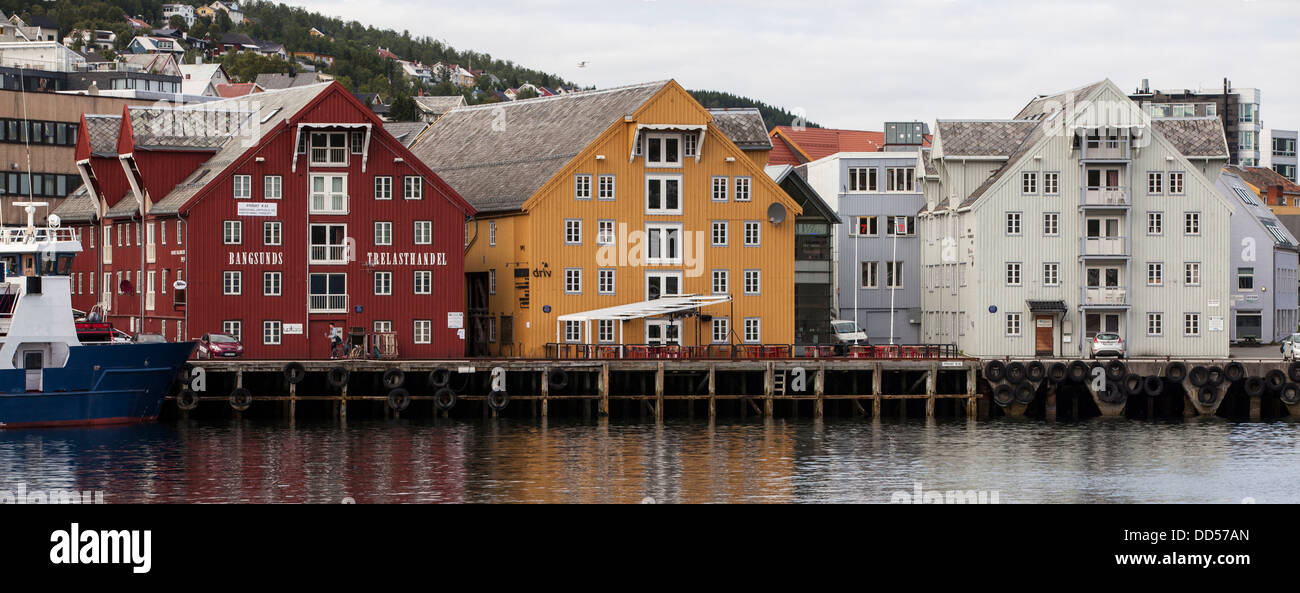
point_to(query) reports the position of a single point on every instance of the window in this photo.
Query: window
(1051, 224)
(573, 231)
(234, 329)
(383, 283)
(232, 283)
(1155, 223)
(742, 189)
(272, 187)
(573, 332)
(662, 284)
(753, 330)
(690, 144)
(1013, 324)
(383, 187)
(720, 189)
(1191, 223)
(721, 282)
(753, 282)
(423, 282)
(1247, 140)
(1013, 274)
(1191, 324)
(232, 232)
(718, 233)
(271, 331)
(383, 327)
(358, 142)
(492, 233)
(899, 179)
(492, 281)
(664, 244)
(271, 283)
(1155, 274)
(329, 194)
(1155, 324)
(862, 179)
(328, 243)
(383, 233)
(573, 281)
(893, 274)
(605, 187)
(605, 281)
(1051, 274)
(752, 231)
(582, 187)
(1029, 182)
(1192, 273)
(243, 186)
(1245, 278)
(423, 232)
(865, 226)
(869, 274)
(1155, 183)
(1176, 182)
(413, 187)
(721, 330)
(1051, 183)
(1013, 223)
(423, 333)
(663, 194)
(663, 150)
(329, 149)
(904, 226)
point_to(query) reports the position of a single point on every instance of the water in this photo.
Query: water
(1113, 461)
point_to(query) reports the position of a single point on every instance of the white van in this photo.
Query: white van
(848, 333)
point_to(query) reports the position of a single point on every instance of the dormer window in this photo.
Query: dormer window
(358, 141)
(690, 145)
(329, 149)
(663, 150)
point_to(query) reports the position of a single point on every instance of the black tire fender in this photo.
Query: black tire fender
(1058, 372)
(1198, 376)
(1079, 371)
(557, 378)
(1024, 393)
(1254, 386)
(444, 399)
(995, 371)
(338, 377)
(399, 399)
(1004, 395)
(394, 378)
(1016, 373)
(1153, 385)
(1176, 371)
(1115, 370)
(440, 377)
(498, 400)
(1035, 371)
(1207, 395)
(1234, 371)
(1290, 394)
(1275, 380)
(241, 399)
(294, 373)
(1133, 384)
(187, 399)
(1294, 372)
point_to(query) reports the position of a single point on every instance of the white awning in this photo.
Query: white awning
(661, 306)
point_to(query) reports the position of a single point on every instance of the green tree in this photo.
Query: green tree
(403, 109)
(178, 22)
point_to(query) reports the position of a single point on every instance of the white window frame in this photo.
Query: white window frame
(606, 188)
(1051, 274)
(605, 279)
(272, 283)
(605, 231)
(272, 333)
(1029, 183)
(1013, 268)
(328, 151)
(665, 228)
(1051, 183)
(661, 162)
(573, 231)
(241, 187)
(744, 189)
(721, 188)
(756, 324)
(662, 180)
(383, 187)
(582, 186)
(232, 232)
(1012, 325)
(422, 282)
(412, 187)
(330, 248)
(1055, 224)
(423, 232)
(327, 195)
(232, 283)
(572, 280)
(383, 232)
(422, 331)
(720, 281)
(753, 228)
(272, 187)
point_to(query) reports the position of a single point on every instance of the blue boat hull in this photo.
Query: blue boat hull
(100, 384)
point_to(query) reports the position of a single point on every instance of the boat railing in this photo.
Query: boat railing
(25, 236)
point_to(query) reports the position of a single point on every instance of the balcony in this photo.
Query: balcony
(1104, 246)
(328, 303)
(1105, 296)
(1106, 196)
(1105, 150)
(328, 254)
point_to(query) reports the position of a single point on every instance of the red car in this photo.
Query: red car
(219, 346)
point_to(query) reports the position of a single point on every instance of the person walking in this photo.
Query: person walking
(336, 338)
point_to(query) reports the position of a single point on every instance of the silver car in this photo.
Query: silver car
(1107, 343)
(1289, 345)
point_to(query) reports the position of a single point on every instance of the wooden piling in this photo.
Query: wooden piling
(932, 377)
(659, 392)
(876, 381)
(604, 391)
(819, 389)
(546, 393)
(713, 400)
(769, 388)
(972, 398)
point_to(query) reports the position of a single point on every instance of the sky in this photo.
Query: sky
(857, 64)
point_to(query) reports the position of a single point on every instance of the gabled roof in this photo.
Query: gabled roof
(276, 81)
(236, 89)
(998, 138)
(438, 104)
(77, 207)
(1233, 185)
(803, 193)
(405, 131)
(1264, 178)
(498, 167)
(744, 126)
(1196, 137)
(816, 143)
(101, 131)
(237, 39)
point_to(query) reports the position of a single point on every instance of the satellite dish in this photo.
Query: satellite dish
(775, 213)
(55, 221)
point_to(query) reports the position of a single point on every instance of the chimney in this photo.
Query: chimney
(1275, 195)
(1146, 86)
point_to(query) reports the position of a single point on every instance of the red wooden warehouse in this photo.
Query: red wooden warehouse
(269, 217)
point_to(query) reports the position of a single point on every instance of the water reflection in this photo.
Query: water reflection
(778, 461)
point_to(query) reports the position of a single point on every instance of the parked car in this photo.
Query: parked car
(1289, 345)
(1107, 343)
(219, 346)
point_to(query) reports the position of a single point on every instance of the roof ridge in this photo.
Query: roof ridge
(572, 95)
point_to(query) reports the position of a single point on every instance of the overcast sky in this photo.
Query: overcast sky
(856, 64)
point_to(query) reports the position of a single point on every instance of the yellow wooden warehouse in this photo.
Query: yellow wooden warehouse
(625, 216)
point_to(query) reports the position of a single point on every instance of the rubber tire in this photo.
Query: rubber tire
(1290, 394)
(1133, 384)
(498, 400)
(440, 377)
(1275, 380)
(1004, 395)
(241, 399)
(1294, 372)
(1176, 371)
(1215, 377)
(1153, 385)
(1234, 371)
(1024, 393)
(1016, 373)
(187, 400)
(399, 399)
(294, 373)
(1115, 370)
(995, 371)
(557, 378)
(1207, 395)
(444, 399)
(1058, 372)
(1035, 371)
(1199, 376)
(1254, 386)
(338, 377)
(394, 378)
(1078, 371)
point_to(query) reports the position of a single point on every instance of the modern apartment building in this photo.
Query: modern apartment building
(1237, 108)
(1279, 152)
(1264, 265)
(1080, 214)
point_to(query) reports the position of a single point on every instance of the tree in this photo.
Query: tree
(178, 22)
(526, 93)
(403, 109)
